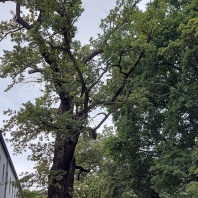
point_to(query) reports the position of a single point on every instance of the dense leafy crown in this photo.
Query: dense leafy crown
(143, 69)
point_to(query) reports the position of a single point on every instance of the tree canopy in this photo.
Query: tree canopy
(157, 136)
(142, 70)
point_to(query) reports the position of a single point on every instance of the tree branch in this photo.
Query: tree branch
(81, 169)
(101, 50)
(35, 70)
(99, 78)
(20, 20)
(115, 97)
(116, 107)
(92, 55)
(127, 76)
(11, 31)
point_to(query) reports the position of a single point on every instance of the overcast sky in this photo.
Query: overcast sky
(88, 25)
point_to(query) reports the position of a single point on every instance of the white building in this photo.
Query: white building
(8, 174)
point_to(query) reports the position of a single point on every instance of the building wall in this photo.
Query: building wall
(7, 174)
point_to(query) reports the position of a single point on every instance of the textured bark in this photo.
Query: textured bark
(61, 176)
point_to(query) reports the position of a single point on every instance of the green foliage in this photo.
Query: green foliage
(103, 180)
(157, 133)
(145, 74)
(33, 194)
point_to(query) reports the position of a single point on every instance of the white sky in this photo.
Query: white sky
(88, 25)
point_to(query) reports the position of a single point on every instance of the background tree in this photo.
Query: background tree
(157, 135)
(105, 178)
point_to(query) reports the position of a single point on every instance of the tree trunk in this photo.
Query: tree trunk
(61, 176)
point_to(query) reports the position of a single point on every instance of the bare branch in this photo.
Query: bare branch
(103, 120)
(119, 63)
(115, 97)
(18, 72)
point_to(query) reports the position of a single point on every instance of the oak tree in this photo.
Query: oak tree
(79, 79)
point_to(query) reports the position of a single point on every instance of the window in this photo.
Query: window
(12, 188)
(10, 185)
(14, 192)
(3, 173)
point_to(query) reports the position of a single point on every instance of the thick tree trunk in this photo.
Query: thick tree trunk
(61, 177)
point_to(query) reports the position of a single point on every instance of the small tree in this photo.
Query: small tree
(80, 78)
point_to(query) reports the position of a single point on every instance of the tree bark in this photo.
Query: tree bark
(61, 176)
